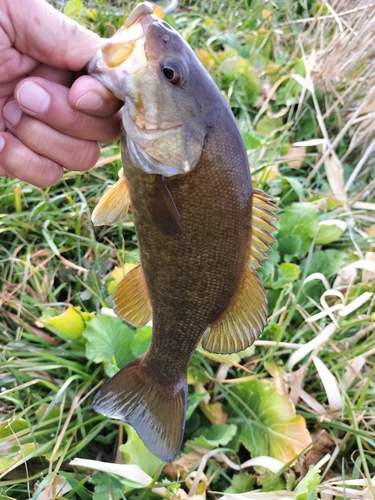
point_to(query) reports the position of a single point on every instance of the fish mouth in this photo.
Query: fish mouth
(125, 50)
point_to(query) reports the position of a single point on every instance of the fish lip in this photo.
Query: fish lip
(143, 123)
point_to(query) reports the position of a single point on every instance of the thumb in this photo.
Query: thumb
(48, 36)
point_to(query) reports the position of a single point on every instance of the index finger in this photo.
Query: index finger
(49, 102)
(90, 96)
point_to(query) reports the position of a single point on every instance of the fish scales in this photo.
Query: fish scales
(187, 178)
(191, 279)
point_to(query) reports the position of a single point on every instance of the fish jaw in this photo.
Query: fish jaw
(124, 54)
(162, 145)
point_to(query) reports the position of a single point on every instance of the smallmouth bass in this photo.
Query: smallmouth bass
(202, 228)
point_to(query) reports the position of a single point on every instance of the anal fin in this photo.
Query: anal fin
(243, 321)
(131, 301)
(114, 204)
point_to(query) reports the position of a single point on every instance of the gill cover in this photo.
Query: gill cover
(149, 66)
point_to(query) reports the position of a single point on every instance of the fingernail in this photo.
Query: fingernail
(12, 113)
(2, 143)
(33, 97)
(90, 101)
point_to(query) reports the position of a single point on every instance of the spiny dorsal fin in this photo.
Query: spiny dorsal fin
(131, 301)
(262, 218)
(243, 321)
(114, 204)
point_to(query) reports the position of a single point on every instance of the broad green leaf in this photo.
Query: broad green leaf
(327, 262)
(135, 452)
(105, 483)
(214, 436)
(241, 483)
(287, 274)
(273, 428)
(306, 490)
(252, 141)
(289, 246)
(271, 482)
(292, 182)
(109, 340)
(141, 341)
(300, 219)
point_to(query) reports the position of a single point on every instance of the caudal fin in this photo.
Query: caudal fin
(155, 410)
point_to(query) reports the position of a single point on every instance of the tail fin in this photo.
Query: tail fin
(155, 410)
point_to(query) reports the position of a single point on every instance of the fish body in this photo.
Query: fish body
(195, 213)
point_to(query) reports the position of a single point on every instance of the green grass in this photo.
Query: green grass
(51, 257)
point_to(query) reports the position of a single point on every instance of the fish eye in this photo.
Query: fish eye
(171, 74)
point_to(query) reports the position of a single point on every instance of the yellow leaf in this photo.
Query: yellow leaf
(70, 323)
(117, 274)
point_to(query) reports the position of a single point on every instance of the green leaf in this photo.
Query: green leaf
(301, 220)
(15, 453)
(271, 482)
(306, 490)
(292, 182)
(193, 402)
(287, 274)
(141, 341)
(267, 127)
(11, 427)
(327, 262)
(111, 341)
(241, 483)
(252, 141)
(329, 231)
(135, 452)
(74, 9)
(214, 436)
(273, 428)
(105, 483)
(289, 246)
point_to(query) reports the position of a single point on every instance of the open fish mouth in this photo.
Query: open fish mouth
(124, 53)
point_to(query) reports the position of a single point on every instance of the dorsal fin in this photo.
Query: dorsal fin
(242, 322)
(246, 315)
(131, 301)
(113, 205)
(261, 223)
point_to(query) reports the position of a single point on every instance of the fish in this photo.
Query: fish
(202, 228)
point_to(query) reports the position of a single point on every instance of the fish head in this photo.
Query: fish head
(168, 94)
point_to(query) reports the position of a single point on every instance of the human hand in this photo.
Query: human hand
(44, 124)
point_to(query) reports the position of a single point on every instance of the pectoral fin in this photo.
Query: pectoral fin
(114, 204)
(163, 210)
(131, 301)
(243, 321)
